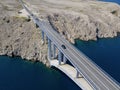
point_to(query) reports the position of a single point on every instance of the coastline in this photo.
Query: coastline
(19, 37)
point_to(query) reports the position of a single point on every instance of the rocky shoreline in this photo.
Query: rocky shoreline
(20, 37)
(80, 19)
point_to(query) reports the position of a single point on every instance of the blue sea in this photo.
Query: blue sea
(105, 53)
(18, 74)
(115, 1)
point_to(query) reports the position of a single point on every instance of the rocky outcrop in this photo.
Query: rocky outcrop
(80, 19)
(73, 19)
(19, 37)
(89, 24)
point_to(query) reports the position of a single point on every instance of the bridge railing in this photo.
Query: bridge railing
(99, 68)
(82, 54)
(94, 64)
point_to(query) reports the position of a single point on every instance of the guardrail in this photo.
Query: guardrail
(36, 21)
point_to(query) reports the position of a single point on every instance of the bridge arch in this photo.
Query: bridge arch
(95, 77)
(71, 72)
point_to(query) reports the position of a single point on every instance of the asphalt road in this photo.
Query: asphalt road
(95, 76)
(90, 71)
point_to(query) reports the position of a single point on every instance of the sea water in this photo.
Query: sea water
(105, 53)
(18, 74)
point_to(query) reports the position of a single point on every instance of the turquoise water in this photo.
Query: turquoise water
(17, 74)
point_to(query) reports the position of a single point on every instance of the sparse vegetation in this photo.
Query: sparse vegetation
(67, 7)
(6, 8)
(115, 12)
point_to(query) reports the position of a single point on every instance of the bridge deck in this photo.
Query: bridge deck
(92, 73)
(71, 73)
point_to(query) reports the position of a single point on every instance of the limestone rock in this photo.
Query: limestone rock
(19, 36)
(80, 19)
(73, 19)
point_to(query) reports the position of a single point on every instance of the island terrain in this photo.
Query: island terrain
(72, 19)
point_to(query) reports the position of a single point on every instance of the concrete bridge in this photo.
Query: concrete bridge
(83, 71)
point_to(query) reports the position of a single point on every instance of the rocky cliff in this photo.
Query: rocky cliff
(80, 19)
(18, 35)
(74, 19)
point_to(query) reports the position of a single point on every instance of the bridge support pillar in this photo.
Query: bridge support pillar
(64, 59)
(36, 25)
(54, 51)
(46, 39)
(59, 57)
(42, 35)
(77, 74)
(49, 49)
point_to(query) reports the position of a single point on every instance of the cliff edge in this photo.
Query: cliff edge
(18, 34)
(73, 19)
(79, 19)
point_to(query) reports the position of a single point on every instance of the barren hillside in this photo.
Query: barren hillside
(74, 19)
(18, 34)
(79, 19)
